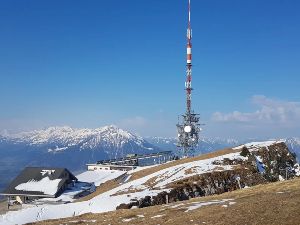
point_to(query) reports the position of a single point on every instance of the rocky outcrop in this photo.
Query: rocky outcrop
(277, 162)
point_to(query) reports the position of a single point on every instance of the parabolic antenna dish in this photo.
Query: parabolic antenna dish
(187, 129)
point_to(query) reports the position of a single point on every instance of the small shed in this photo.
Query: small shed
(39, 182)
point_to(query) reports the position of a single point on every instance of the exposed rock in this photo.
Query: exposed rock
(245, 151)
(145, 202)
(124, 206)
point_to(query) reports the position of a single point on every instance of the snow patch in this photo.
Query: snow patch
(68, 195)
(48, 172)
(259, 164)
(127, 220)
(57, 149)
(281, 178)
(297, 169)
(45, 185)
(197, 205)
(157, 216)
(99, 177)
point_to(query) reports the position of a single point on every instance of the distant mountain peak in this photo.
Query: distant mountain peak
(62, 138)
(110, 127)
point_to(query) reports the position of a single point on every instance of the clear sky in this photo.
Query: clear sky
(93, 63)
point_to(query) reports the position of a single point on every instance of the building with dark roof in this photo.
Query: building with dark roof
(39, 182)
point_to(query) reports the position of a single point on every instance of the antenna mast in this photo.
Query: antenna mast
(189, 128)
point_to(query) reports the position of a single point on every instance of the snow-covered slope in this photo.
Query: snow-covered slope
(99, 177)
(152, 184)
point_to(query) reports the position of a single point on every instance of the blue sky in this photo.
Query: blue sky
(93, 63)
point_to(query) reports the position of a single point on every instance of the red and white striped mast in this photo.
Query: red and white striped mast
(189, 128)
(188, 83)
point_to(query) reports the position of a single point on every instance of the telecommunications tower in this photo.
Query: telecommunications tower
(188, 128)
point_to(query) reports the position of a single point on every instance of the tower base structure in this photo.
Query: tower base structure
(188, 133)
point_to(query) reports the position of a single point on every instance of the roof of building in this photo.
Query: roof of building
(39, 181)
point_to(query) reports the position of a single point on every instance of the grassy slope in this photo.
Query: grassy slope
(275, 203)
(115, 183)
(149, 171)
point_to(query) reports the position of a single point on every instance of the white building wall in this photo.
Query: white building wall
(94, 167)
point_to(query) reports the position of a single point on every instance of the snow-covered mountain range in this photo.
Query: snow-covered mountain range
(64, 138)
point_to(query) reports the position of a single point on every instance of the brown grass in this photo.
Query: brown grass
(190, 170)
(276, 203)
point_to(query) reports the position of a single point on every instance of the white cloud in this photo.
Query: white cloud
(269, 110)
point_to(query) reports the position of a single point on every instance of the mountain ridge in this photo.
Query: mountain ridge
(62, 138)
(107, 136)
